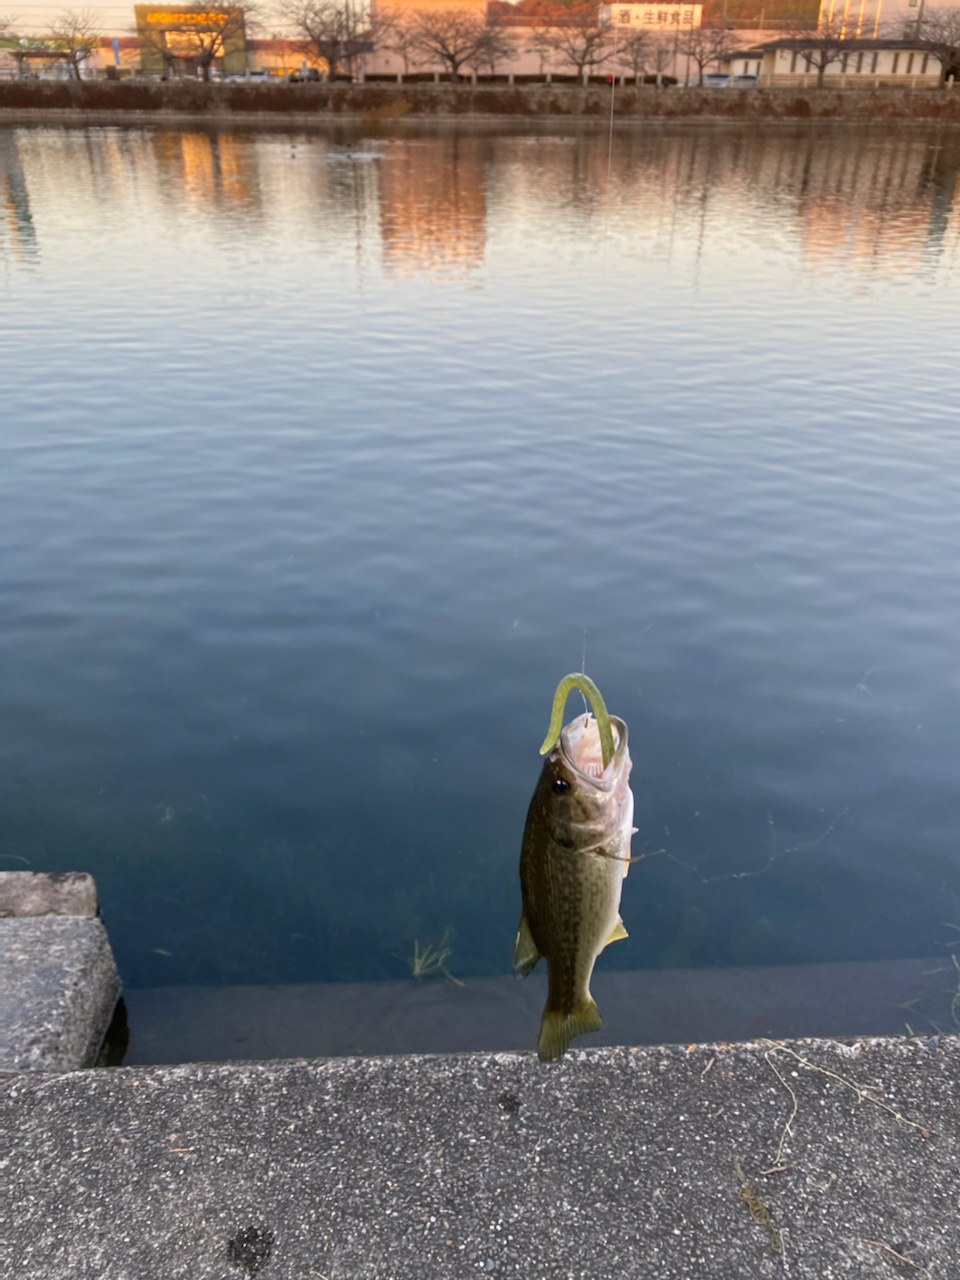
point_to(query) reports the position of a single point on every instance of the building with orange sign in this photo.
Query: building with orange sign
(188, 38)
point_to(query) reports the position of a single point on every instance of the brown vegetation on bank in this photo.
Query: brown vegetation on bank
(391, 101)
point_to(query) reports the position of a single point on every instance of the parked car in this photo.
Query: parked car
(746, 82)
(716, 80)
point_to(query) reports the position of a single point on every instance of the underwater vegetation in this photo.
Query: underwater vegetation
(429, 960)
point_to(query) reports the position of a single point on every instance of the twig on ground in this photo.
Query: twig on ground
(822, 1186)
(758, 1210)
(878, 1244)
(793, 1113)
(862, 1094)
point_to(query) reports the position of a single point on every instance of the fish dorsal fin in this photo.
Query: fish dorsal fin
(619, 931)
(558, 1029)
(526, 953)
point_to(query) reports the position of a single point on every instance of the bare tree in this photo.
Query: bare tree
(330, 31)
(8, 35)
(454, 37)
(661, 55)
(823, 47)
(632, 50)
(497, 44)
(154, 48)
(940, 36)
(73, 36)
(394, 30)
(706, 45)
(542, 52)
(578, 38)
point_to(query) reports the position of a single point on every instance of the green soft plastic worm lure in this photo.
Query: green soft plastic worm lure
(577, 680)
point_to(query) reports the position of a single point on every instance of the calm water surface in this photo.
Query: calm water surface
(322, 457)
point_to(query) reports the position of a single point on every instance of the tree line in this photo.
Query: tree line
(336, 34)
(75, 34)
(570, 38)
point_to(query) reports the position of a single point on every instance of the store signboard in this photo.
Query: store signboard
(179, 33)
(655, 17)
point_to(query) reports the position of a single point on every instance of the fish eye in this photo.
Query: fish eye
(561, 786)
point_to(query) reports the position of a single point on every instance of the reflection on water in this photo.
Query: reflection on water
(856, 199)
(201, 168)
(324, 455)
(17, 238)
(432, 203)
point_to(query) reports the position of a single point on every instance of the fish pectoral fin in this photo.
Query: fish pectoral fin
(619, 931)
(558, 1029)
(526, 953)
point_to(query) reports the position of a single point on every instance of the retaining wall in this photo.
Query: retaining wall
(94, 99)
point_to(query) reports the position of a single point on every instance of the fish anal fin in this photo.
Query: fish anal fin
(619, 931)
(558, 1029)
(525, 953)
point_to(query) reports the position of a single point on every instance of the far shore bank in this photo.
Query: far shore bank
(182, 102)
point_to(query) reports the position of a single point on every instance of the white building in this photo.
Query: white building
(869, 63)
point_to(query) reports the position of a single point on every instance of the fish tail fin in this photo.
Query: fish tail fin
(558, 1029)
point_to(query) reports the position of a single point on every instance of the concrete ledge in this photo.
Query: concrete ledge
(813, 1160)
(58, 989)
(40, 893)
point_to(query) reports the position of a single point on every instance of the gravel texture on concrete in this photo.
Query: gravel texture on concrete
(44, 893)
(804, 1159)
(58, 989)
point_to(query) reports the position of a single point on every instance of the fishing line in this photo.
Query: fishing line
(613, 90)
(583, 668)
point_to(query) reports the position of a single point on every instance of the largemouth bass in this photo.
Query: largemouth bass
(576, 852)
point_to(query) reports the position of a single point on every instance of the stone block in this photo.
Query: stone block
(58, 990)
(29, 893)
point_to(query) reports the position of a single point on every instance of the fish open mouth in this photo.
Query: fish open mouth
(581, 746)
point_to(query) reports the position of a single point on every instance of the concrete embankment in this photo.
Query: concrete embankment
(810, 1159)
(58, 980)
(179, 101)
